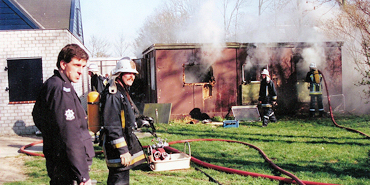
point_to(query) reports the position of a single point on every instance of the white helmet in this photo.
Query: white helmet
(265, 72)
(313, 65)
(125, 65)
(93, 68)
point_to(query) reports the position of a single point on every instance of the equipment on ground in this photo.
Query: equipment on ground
(159, 160)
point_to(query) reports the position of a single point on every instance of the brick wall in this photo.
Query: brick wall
(17, 118)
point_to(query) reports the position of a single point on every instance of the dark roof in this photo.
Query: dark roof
(51, 14)
(41, 14)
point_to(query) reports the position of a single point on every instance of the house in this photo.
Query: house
(31, 35)
(212, 79)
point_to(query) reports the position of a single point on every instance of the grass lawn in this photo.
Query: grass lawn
(313, 150)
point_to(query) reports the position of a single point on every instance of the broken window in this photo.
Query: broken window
(251, 72)
(197, 73)
(200, 75)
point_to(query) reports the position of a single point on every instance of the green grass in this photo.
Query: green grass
(312, 150)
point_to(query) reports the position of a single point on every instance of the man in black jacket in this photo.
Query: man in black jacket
(60, 117)
(267, 98)
(121, 147)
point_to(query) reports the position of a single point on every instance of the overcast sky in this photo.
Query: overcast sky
(109, 18)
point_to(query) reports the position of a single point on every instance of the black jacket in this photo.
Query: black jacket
(118, 120)
(98, 83)
(59, 115)
(267, 92)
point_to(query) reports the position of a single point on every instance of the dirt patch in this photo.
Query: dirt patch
(11, 160)
(12, 169)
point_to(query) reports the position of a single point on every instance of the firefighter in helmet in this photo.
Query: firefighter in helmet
(121, 146)
(267, 98)
(314, 78)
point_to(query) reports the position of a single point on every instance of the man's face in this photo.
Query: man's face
(263, 76)
(73, 70)
(128, 78)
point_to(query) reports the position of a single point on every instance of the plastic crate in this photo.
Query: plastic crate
(231, 123)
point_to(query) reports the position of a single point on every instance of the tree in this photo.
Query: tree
(98, 47)
(230, 12)
(185, 21)
(353, 25)
(164, 24)
(121, 46)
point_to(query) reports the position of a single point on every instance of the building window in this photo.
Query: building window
(197, 73)
(252, 72)
(25, 79)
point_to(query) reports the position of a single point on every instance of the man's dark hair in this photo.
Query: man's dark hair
(71, 51)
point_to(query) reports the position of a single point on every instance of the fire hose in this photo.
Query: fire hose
(332, 116)
(293, 180)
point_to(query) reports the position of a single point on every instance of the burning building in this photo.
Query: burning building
(195, 77)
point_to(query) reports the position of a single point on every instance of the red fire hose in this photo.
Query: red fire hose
(23, 149)
(332, 116)
(294, 179)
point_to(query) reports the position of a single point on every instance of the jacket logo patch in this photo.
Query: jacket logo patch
(70, 115)
(66, 89)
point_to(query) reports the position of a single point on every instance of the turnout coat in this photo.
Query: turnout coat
(267, 93)
(60, 117)
(118, 137)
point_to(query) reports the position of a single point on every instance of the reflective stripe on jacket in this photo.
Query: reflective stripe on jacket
(118, 136)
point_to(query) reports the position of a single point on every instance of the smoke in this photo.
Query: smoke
(291, 22)
(315, 54)
(204, 27)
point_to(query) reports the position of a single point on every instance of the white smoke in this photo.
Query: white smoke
(292, 22)
(204, 27)
(314, 54)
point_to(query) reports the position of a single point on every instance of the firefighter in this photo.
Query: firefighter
(121, 146)
(98, 82)
(314, 78)
(62, 120)
(267, 98)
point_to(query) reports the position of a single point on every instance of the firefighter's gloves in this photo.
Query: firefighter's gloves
(125, 159)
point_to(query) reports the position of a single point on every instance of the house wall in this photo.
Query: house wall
(45, 44)
(170, 88)
(286, 65)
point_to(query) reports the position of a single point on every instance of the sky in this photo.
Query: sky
(109, 18)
